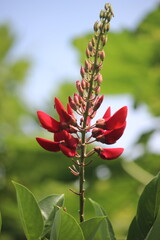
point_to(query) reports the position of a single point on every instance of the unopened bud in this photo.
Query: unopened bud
(103, 40)
(90, 46)
(93, 41)
(99, 78)
(79, 88)
(109, 16)
(96, 26)
(98, 103)
(102, 55)
(107, 27)
(97, 90)
(93, 115)
(87, 66)
(87, 53)
(82, 71)
(76, 97)
(102, 13)
(83, 84)
(107, 6)
(72, 104)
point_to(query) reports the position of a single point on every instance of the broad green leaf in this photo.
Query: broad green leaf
(30, 214)
(106, 230)
(65, 227)
(0, 221)
(154, 233)
(91, 226)
(48, 210)
(147, 211)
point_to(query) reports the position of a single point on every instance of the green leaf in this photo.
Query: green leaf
(0, 221)
(154, 232)
(91, 226)
(48, 210)
(65, 227)
(30, 214)
(106, 230)
(147, 211)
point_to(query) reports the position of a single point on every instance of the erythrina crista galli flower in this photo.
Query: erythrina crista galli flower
(72, 136)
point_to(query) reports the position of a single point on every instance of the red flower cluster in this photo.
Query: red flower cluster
(63, 140)
(106, 130)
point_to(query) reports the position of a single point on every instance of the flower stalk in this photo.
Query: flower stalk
(71, 136)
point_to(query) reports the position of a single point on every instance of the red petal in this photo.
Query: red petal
(70, 140)
(118, 119)
(109, 153)
(59, 108)
(107, 114)
(59, 136)
(110, 137)
(69, 110)
(67, 151)
(48, 122)
(48, 145)
(63, 114)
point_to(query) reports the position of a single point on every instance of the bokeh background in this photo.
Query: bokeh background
(42, 45)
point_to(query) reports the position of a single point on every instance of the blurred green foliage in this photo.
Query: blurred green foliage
(131, 66)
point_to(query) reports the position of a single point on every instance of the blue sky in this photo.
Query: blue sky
(44, 31)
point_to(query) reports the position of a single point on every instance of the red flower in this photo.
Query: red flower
(108, 153)
(63, 141)
(67, 119)
(110, 137)
(117, 120)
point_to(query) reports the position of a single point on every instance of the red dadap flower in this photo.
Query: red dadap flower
(67, 119)
(108, 130)
(64, 142)
(108, 153)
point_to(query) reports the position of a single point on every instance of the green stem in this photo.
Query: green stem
(83, 136)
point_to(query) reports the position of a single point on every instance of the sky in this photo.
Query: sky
(44, 31)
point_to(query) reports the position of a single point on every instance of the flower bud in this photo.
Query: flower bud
(103, 39)
(83, 83)
(99, 78)
(102, 13)
(72, 104)
(96, 26)
(92, 115)
(98, 103)
(93, 42)
(107, 27)
(97, 90)
(107, 6)
(76, 98)
(90, 46)
(82, 71)
(87, 53)
(79, 88)
(102, 55)
(87, 66)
